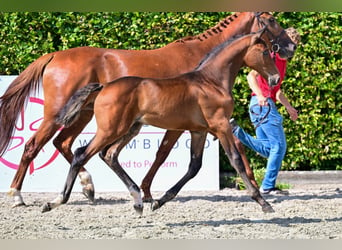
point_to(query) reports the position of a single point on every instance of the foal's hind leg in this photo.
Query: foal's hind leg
(63, 143)
(110, 157)
(169, 140)
(227, 142)
(197, 146)
(132, 187)
(44, 133)
(80, 158)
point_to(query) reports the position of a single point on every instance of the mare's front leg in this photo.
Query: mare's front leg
(170, 138)
(197, 147)
(63, 143)
(110, 156)
(80, 158)
(241, 149)
(227, 141)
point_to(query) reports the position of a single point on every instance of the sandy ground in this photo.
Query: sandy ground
(308, 212)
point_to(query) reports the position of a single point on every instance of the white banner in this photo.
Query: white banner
(48, 171)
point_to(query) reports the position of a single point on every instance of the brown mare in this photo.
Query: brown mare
(63, 72)
(197, 101)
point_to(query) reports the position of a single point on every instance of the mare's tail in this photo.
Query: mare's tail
(15, 98)
(72, 109)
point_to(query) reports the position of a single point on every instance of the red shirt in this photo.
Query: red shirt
(268, 91)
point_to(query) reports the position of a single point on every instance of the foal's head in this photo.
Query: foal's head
(258, 58)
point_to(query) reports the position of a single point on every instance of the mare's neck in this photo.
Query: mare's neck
(200, 45)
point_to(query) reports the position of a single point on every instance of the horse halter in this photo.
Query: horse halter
(275, 39)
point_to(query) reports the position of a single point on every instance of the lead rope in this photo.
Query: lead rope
(268, 105)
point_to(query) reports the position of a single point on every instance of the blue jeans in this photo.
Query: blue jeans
(270, 141)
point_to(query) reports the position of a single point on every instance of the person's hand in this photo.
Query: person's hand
(262, 100)
(292, 112)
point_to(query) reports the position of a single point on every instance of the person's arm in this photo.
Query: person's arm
(285, 102)
(253, 84)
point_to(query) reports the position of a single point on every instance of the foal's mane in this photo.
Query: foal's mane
(218, 28)
(221, 46)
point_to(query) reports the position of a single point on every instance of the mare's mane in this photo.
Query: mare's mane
(218, 28)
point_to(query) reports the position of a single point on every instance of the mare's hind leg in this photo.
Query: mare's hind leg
(169, 140)
(197, 146)
(44, 133)
(63, 143)
(227, 142)
(110, 157)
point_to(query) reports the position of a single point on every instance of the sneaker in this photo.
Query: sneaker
(273, 191)
(233, 124)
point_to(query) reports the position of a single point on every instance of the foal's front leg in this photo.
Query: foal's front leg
(227, 142)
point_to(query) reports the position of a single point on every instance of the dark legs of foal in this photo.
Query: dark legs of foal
(78, 161)
(110, 156)
(197, 146)
(226, 140)
(170, 138)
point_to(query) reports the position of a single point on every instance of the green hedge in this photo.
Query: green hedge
(313, 82)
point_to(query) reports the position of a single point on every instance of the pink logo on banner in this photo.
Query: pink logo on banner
(19, 141)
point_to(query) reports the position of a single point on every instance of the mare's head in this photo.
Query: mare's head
(275, 36)
(258, 57)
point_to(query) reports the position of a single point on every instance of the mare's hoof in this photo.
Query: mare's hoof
(46, 207)
(18, 204)
(139, 209)
(90, 194)
(155, 205)
(267, 209)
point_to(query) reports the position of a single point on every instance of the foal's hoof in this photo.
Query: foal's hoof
(46, 207)
(89, 193)
(267, 209)
(138, 208)
(155, 205)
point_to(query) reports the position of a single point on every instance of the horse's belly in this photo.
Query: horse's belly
(178, 122)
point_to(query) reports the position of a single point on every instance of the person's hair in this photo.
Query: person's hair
(293, 34)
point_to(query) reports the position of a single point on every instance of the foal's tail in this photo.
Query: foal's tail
(72, 109)
(15, 98)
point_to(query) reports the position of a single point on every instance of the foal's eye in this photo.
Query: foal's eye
(265, 52)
